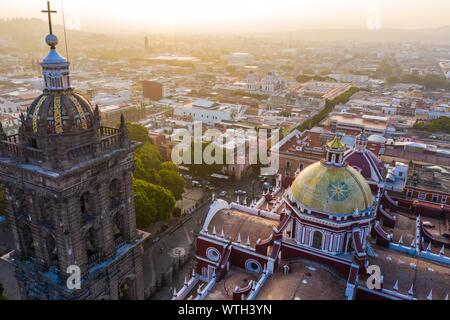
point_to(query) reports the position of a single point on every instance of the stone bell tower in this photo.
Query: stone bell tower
(69, 194)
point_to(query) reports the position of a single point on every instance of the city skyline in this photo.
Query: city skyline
(235, 16)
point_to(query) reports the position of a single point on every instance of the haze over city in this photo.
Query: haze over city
(239, 16)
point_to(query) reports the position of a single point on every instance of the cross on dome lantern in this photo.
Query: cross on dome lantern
(55, 68)
(50, 39)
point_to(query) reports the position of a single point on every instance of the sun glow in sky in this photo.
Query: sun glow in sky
(238, 15)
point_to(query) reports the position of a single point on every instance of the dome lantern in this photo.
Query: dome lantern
(361, 142)
(55, 68)
(335, 151)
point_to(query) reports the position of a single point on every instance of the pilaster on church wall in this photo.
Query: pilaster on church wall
(139, 272)
(40, 248)
(12, 219)
(106, 220)
(128, 199)
(74, 219)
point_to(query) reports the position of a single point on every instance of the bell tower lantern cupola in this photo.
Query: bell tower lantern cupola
(55, 68)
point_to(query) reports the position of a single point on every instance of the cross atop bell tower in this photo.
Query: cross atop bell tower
(49, 13)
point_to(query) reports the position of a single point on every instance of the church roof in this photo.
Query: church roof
(53, 57)
(338, 190)
(336, 143)
(56, 112)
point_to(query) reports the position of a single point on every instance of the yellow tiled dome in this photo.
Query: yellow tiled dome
(332, 189)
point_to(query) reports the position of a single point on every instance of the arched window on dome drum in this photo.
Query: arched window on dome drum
(349, 247)
(317, 240)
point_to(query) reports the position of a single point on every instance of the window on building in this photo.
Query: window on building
(85, 203)
(350, 244)
(422, 196)
(435, 198)
(443, 199)
(409, 193)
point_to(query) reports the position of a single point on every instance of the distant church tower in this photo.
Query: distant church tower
(69, 193)
(146, 45)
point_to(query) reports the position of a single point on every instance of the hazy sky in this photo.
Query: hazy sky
(238, 15)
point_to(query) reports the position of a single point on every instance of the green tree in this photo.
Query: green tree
(441, 124)
(139, 133)
(152, 203)
(172, 181)
(203, 170)
(169, 165)
(156, 184)
(148, 163)
(284, 114)
(145, 173)
(329, 106)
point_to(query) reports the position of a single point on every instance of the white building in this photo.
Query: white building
(434, 112)
(352, 78)
(209, 112)
(10, 107)
(239, 58)
(269, 83)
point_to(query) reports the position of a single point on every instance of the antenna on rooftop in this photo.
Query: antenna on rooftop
(64, 26)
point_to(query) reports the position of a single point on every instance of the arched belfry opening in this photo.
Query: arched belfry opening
(118, 227)
(46, 214)
(26, 240)
(87, 207)
(118, 217)
(52, 250)
(127, 288)
(85, 203)
(115, 194)
(92, 246)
